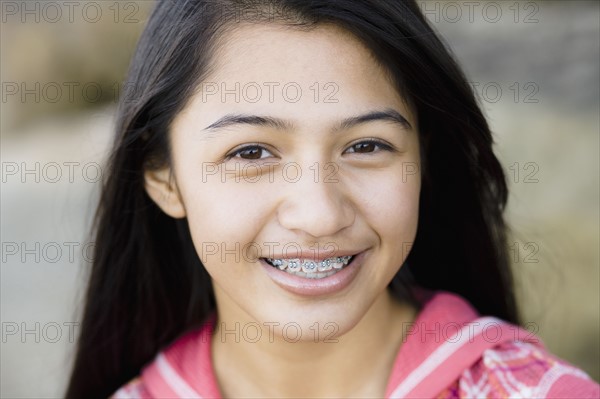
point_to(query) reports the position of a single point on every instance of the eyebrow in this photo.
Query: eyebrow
(389, 115)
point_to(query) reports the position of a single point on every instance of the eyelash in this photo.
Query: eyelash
(383, 146)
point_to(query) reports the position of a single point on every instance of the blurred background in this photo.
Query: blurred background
(533, 64)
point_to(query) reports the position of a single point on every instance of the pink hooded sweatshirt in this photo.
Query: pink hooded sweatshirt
(448, 352)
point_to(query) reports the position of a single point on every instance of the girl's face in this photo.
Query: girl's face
(296, 146)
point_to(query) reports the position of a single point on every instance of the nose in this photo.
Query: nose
(317, 207)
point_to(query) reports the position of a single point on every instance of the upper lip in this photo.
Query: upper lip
(314, 255)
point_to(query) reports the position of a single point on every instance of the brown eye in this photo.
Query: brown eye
(368, 146)
(364, 147)
(251, 153)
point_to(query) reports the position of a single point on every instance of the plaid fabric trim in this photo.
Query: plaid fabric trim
(521, 370)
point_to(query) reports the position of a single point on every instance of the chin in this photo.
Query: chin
(313, 322)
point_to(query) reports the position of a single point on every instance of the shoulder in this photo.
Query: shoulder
(522, 370)
(134, 389)
(453, 352)
(182, 369)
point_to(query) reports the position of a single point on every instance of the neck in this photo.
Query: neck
(356, 364)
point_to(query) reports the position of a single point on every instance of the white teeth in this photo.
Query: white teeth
(309, 268)
(325, 265)
(279, 263)
(294, 265)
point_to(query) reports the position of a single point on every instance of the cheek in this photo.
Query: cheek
(402, 208)
(224, 219)
(393, 212)
(392, 197)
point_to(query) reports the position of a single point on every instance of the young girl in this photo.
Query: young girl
(303, 201)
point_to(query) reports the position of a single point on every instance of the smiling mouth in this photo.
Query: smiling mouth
(309, 268)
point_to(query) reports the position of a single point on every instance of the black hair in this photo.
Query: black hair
(147, 284)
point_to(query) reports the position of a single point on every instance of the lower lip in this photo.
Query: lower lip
(315, 287)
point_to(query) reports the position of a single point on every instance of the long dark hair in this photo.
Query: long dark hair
(147, 283)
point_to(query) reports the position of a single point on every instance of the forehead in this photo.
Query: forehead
(324, 63)
(271, 50)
